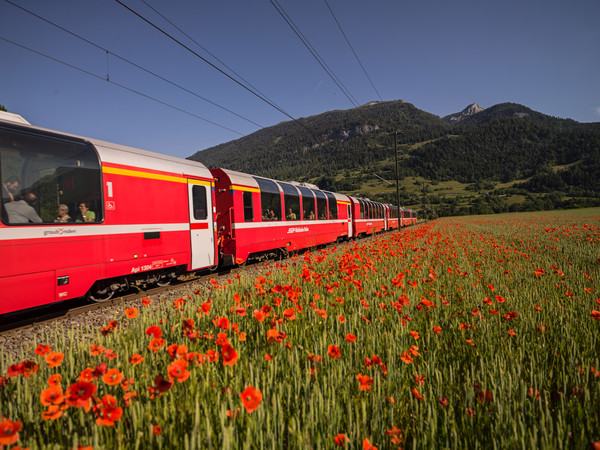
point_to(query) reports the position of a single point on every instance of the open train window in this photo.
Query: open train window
(308, 204)
(321, 205)
(46, 177)
(270, 199)
(248, 207)
(333, 212)
(291, 201)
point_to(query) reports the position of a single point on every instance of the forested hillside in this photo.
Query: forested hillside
(506, 157)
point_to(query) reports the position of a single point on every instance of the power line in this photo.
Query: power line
(132, 63)
(351, 48)
(215, 67)
(313, 52)
(119, 85)
(206, 50)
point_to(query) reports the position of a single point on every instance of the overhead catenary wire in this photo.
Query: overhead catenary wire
(108, 52)
(253, 92)
(208, 51)
(119, 85)
(314, 52)
(352, 48)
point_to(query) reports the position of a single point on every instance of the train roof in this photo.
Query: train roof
(121, 154)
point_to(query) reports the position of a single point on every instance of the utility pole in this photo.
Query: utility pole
(397, 182)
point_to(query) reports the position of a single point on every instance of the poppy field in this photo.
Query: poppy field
(471, 332)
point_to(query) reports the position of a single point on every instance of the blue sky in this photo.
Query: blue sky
(438, 55)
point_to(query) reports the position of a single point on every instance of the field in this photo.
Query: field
(472, 332)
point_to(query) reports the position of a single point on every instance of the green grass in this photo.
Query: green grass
(514, 364)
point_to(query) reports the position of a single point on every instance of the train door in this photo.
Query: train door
(349, 220)
(202, 232)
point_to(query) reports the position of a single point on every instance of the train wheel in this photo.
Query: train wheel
(102, 294)
(164, 281)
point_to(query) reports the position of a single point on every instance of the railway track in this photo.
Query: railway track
(22, 320)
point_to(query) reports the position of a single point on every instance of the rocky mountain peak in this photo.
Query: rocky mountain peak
(473, 108)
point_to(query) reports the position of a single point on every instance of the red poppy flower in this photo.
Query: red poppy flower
(54, 380)
(334, 352)
(259, 315)
(131, 313)
(350, 337)
(340, 439)
(406, 357)
(42, 349)
(154, 331)
(417, 395)
(251, 398)
(156, 430)
(367, 444)
(52, 395)
(112, 377)
(9, 431)
(52, 413)
(443, 401)
(230, 356)
(289, 314)
(136, 358)
(156, 344)
(96, 350)
(437, 329)
(79, 394)
(221, 322)
(146, 301)
(161, 385)
(366, 382)
(595, 315)
(178, 370)
(108, 411)
(29, 367)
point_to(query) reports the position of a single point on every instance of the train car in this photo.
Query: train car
(257, 216)
(83, 217)
(368, 217)
(392, 220)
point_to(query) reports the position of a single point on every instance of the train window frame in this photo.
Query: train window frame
(291, 200)
(309, 203)
(270, 199)
(248, 204)
(200, 202)
(333, 210)
(52, 170)
(321, 205)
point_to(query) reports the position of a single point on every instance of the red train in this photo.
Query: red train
(87, 218)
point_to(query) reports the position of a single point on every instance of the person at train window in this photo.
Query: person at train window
(10, 189)
(85, 215)
(62, 214)
(290, 215)
(271, 215)
(311, 215)
(22, 211)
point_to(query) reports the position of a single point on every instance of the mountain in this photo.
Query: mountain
(467, 112)
(329, 142)
(504, 157)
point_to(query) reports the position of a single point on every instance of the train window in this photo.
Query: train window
(291, 201)
(248, 207)
(321, 205)
(333, 212)
(362, 208)
(200, 204)
(270, 199)
(308, 204)
(45, 178)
